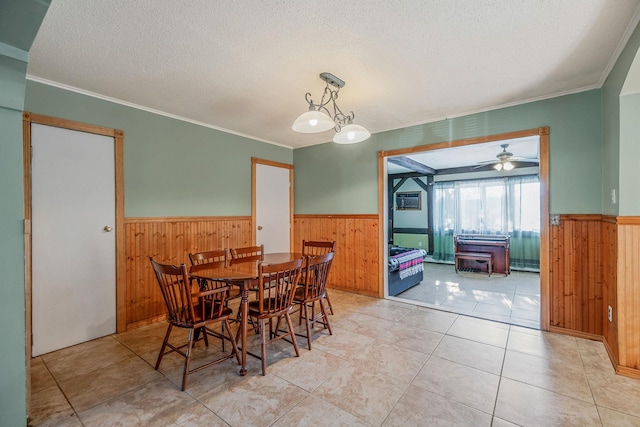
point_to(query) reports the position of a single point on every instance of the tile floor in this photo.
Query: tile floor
(387, 364)
(513, 299)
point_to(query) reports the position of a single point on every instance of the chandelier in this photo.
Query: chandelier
(319, 118)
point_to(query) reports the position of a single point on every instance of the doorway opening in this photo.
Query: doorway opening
(480, 226)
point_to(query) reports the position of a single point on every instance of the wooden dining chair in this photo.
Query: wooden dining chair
(194, 310)
(249, 253)
(211, 258)
(314, 248)
(199, 258)
(315, 276)
(277, 284)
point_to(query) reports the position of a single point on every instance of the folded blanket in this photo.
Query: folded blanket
(409, 263)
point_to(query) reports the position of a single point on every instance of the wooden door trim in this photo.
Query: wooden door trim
(257, 161)
(543, 133)
(118, 137)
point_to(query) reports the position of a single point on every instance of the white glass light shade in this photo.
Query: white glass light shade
(312, 122)
(350, 134)
(498, 166)
(508, 166)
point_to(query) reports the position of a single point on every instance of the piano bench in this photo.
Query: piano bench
(475, 256)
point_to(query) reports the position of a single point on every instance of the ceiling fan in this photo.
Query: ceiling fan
(506, 160)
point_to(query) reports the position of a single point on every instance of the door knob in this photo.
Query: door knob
(259, 227)
(108, 228)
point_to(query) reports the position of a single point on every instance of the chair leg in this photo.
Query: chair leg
(222, 332)
(308, 324)
(325, 317)
(233, 342)
(204, 335)
(263, 349)
(326, 296)
(291, 332)
(164, 345)
(187, 359)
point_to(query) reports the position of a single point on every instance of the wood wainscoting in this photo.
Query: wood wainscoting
(575, 285)
(594, 266)
(355, 266)
(170, 240)
(627, 311)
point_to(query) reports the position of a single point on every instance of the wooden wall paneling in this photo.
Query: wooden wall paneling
(576, 274)
(170, 240)
(355, 266)
(609, 285)
(628, 295)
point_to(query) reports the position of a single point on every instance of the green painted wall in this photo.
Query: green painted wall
(575, 123)
(172, 167)
(611, 154)
(19, 23)
(629, 193)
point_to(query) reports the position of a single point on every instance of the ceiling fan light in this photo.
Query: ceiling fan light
(498, 166)
(313, 122)
(508, 165)
(351, 134)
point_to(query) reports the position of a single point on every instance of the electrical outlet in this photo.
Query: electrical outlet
(610, 314)
(613, 196)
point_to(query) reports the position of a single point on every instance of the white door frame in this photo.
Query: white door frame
(118, 136)
(254, 162)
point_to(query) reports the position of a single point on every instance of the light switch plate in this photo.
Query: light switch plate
(554, 219)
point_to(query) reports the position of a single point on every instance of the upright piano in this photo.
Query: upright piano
(496, 245)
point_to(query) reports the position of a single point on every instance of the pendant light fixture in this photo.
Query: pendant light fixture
(319, 118)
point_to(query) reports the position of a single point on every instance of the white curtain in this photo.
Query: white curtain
(490, 206)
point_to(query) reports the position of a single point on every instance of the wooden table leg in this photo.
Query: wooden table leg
(244, 320)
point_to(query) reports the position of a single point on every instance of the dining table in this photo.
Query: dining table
(245, 275)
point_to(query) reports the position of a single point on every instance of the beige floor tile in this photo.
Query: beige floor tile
(417, 339)
(527, 405)
(256, 401)
(387, 359)
(611, 418)
(147, 339)
(93, 388)
(157, 403)
(370, 326)
(343, 343)
(499, 422)
(201, 382)
(471, 353)
(432, 320)
(79, 363)
(315, 412)
(386, 309)
(419, 407)
(483, 331)
(616, 392)
(75, 349)
(595, 358)
(547, 345)
(469, 386)
(555, 375)
(49, 407)
(367, 395)
(308, 371)
(41, 378)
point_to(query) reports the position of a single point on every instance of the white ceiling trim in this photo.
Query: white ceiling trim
(623, 42)
(147, 109)
(207, 125)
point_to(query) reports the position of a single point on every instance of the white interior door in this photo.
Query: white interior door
(273, 205)
(73, 237)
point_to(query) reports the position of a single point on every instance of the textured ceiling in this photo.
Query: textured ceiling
(244, 66)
